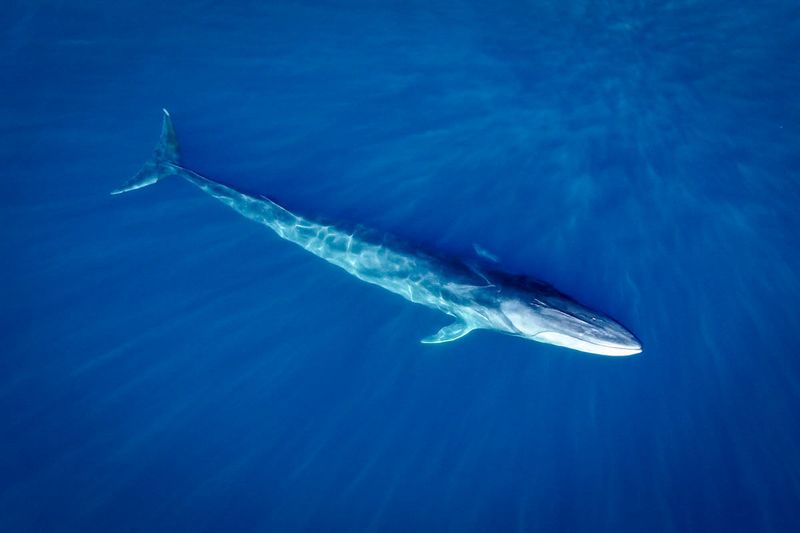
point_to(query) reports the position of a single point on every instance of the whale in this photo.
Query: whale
(476, 295)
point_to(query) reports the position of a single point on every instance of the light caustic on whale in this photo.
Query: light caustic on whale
(477, 298)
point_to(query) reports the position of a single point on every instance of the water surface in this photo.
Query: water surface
(168, 365)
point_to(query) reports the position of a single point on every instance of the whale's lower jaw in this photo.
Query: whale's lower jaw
(599, 348)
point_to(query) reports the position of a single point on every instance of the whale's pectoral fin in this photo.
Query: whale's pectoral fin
(448, 333)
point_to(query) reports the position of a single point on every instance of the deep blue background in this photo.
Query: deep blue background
(168, 365)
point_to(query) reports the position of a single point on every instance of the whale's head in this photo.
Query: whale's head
(570, 325)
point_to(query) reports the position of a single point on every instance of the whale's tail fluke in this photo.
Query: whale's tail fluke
(161, 165)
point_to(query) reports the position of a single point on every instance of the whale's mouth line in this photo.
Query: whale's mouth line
(620, 348)
(615, 345)
(629, 350)
(590, 346)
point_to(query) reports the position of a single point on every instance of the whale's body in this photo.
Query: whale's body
(477, 298)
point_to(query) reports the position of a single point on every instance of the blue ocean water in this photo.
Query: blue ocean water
(168, 365)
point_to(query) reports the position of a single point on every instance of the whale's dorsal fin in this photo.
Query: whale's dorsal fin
(483, 252)
(454, 331)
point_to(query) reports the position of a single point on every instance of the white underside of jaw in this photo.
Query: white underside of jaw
(559, 339)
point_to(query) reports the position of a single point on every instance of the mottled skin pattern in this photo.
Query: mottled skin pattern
(417, 276)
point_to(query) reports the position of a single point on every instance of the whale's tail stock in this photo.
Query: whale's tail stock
(162, 164)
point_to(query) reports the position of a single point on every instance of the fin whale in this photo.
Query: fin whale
(475, 298)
